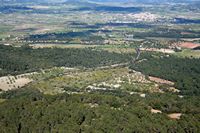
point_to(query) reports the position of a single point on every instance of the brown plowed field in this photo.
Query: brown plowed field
(189, 45)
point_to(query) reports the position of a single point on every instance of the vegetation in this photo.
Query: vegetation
(80, 81)
(188, 53)
(183, 71)
(99, 39)
(25, 59)
(30, 111)
(167, 33)
(110, 9)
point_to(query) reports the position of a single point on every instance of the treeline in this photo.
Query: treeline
(30, 111)
(86, 36)
(186, 21)
(64, 36)
(57, 36)
(184, 72)
(168, 33)
(25, 59)
(12, 9)
(109, 9)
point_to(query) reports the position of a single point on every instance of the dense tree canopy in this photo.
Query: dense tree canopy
(184, 72)
(30, 111)
(19, 60)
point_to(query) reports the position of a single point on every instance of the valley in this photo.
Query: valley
(99, 66)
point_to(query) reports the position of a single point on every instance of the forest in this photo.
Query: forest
(12, 9)
(184, 72)
(186, 21)
(110, 9)
(28, 110)
(162, 32)
(68, 36)
(15, 60)
(86, 66)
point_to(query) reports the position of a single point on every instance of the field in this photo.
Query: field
(189, 53)
(11, 82)
(109, 79)
(188, 45)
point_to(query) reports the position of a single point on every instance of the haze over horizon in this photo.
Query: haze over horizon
(140, 1)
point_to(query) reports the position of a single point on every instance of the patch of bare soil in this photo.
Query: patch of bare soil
(39, 7)
(186, 33)
(42, 30)
(162, 50)
(175, 115)
(155, 111)
(161, 81)
(189, 45)
(13, 82)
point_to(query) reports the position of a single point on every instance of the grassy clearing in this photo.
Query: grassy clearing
(4, 31)
(117, 48)
(2, 100)
(188, 53)
(111, 79)
(4, 28)
(62, 46)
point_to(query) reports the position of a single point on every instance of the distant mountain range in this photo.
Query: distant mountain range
(101, 1)
(36, 1)
(146, 1)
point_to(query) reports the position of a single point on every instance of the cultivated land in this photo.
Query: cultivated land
(83, 67)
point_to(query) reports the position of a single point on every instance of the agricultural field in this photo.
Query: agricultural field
(189, 53)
